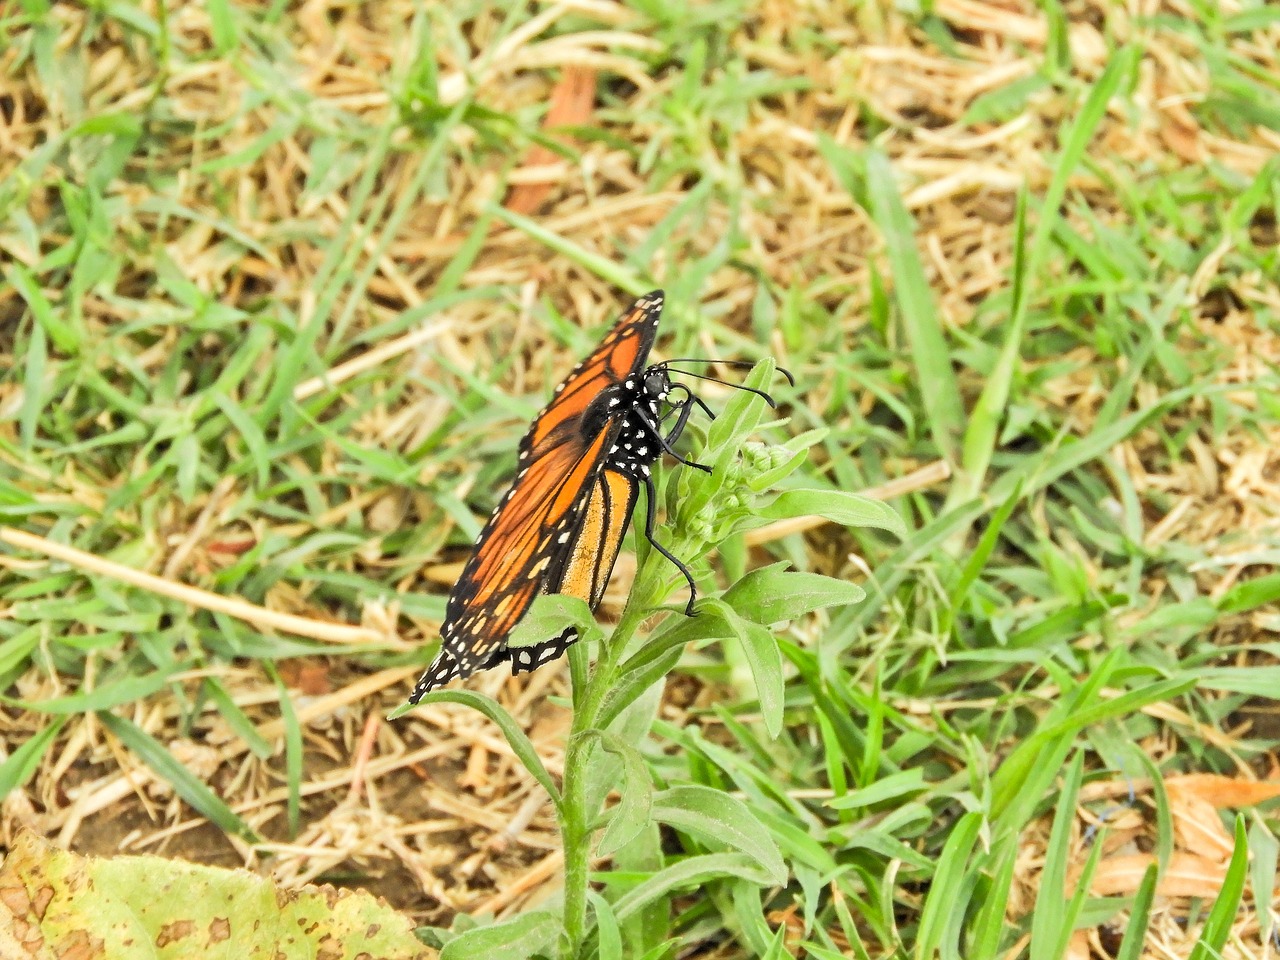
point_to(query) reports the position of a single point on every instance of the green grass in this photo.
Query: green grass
(201, 221)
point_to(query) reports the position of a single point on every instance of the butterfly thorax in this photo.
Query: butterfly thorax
(638, 400)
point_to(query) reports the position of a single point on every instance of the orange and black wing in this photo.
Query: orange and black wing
(562, 495)
(620, 354)
(593, 550)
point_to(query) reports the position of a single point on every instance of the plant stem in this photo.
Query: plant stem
(577, 823)
(575, 838)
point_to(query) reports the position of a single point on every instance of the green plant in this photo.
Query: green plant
(615, 699)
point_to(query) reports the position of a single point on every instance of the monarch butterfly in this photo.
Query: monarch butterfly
(559, 527)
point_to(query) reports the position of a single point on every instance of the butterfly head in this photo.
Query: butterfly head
(655, 385)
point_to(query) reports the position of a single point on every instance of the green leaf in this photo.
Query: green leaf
(771, 595)
(236, 719)
(292, 756)
(18, 767)
(604, 267)
(778, 947)
(760, 649)
(637, 674)
(631, 814)
(34, 386)
(1135, 931)
(714, 816)
(890, 787)
(64, 336)
(1262, 874)
(978, 557)
(548, 615)
(1251, 594)
(649, 925)
(254, 440)
(991, 919)
(992, 405)
(838, 506)
(168, 909)
(740, 417)
(222, 26)
(518, 938)
(608, 934)
(1049, 917)
(691, 872)
(939, 392)
(104, 697)
(15, 650)
(947, 891)
(1257, 681)
(520, 744)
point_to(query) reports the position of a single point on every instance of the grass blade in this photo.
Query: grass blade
(1217, 928)
(520, 744)
(185, 784)
(1135, 930)
(939, 394)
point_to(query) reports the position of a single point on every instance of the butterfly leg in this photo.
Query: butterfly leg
(650, 514)
(690, 397)
(678, 429)
(682, 411)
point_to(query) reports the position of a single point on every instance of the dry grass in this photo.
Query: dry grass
(246, 167)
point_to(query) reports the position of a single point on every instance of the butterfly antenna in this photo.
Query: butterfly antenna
(740, 364)
(727, 383)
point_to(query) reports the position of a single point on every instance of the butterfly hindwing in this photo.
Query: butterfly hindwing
(529, 658)
(598, 537)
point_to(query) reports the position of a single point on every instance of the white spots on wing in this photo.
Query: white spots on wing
(563, 538)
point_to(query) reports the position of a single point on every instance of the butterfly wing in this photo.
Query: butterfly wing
(594, 545)
(533, 542)
(598, 537)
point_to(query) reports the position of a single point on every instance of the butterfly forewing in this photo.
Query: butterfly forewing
(621, 354)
